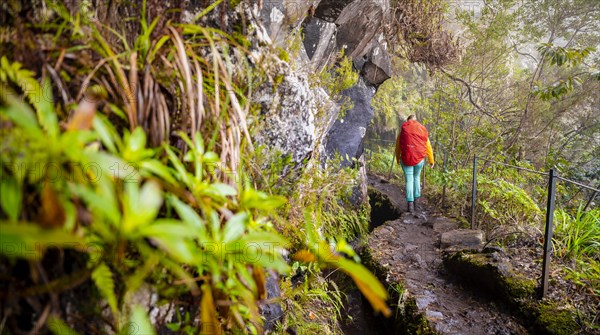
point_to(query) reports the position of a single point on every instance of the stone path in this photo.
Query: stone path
(408, 249)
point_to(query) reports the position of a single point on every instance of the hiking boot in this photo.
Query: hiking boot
(411, 207)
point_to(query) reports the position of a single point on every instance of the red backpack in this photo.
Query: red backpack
(413, 142)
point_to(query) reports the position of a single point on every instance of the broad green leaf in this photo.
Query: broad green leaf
(139, 323)
(20, 113)
(11, 197)
(182, 173)
(220, 189)
(252, 199)
(141, 205)
(136, 141)
(165, 227)
(106, 133)
(343, 246)
(178, 248)
(112, 166)
(135, 146)
(210, 158)
(186, 213)
(26, 240)
(159, 169)
(234, 227)
(101, 201)
(259, 255)
(45, 110)
(151, 198)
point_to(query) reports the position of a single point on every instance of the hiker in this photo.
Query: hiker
(412, 145)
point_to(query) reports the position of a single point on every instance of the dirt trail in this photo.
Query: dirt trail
(408, 248)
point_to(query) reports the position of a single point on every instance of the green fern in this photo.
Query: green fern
(23, 78)
(39, 96)
(103, 279)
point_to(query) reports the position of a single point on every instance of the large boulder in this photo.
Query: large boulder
(288, 122)
(319, 41)
(346, 136)
(282, 16)
(358, 25)
(330, 10)
(377, 66)
(352, 26)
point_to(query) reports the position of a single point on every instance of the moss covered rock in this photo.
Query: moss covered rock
(382, 208)
(494, 274)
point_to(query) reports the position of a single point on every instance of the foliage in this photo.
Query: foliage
(577, 241)
(417, 25)
(388, 103)
(320, 252)
(336, 77)
(314, 303)
(567, 57)
(578, 235)
(340, 76)
(380, 159)
(500, 201)
(125, 214)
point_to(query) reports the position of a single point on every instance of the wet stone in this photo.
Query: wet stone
(425, 300)
(416, 259)
(434, 315)
(461, 239)
(442, 225)
(410, 247)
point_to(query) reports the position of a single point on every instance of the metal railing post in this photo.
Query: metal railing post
(548, 233)
(474, 192)
(392, 165)
(444, 175)
(590, 201)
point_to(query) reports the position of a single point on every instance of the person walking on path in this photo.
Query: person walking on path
(412, 146)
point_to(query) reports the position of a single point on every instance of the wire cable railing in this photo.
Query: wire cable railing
(552, 176)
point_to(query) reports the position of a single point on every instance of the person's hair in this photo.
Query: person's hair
(411, 117)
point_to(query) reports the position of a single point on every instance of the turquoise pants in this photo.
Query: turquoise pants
(412, 176)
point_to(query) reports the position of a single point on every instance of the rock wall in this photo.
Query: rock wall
(347, 133)
(328, 27)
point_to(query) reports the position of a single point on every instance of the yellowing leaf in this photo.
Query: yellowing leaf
(84, 116)
(305, 256)
(367, 283)
(208, 313)
(377, 302)
(261, 282)
(52, 213)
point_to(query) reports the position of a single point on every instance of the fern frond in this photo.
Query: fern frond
(103, 279)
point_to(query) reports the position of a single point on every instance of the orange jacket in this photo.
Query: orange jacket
(412, 144)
